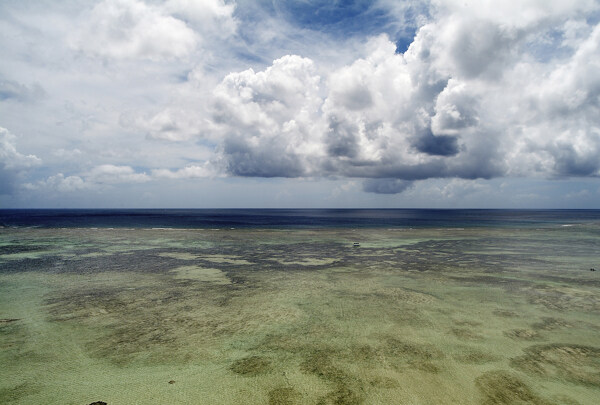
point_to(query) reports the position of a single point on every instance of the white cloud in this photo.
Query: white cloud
(112, 174)
(107, 175)
(455, 109)
(522, 14)
(459, 188)
(374, 121)
(170, 124)
(268, 121)
(10, 158)
(207, 16)
(188, 172)
(12, 163)
(133, 29)
(59, 183)
(466, 100)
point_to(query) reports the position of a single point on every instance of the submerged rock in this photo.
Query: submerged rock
(99, 403)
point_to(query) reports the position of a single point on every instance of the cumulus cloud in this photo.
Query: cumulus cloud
(268, 121)
(556, 129)
(12, 163)
(455, 109)
(108, 175)
(10, 157)
(98, 176)
(60, 183)
(112, 174)
(373, 121)
(188, 172)
(469, 99)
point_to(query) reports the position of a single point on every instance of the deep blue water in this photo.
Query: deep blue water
(291, 218)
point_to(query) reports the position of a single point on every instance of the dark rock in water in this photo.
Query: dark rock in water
(9, 320)
(172, 382)
(99, 403)
(592, 269)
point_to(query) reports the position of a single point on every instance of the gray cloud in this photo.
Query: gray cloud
(241, 159)
(12, 90)
(570, 162)
(341, 139)
(441, 145)
(386, 186)
(479, 47)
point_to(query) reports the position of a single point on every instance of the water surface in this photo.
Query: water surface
(444, 307)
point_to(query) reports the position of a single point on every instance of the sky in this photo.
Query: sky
(299, 104)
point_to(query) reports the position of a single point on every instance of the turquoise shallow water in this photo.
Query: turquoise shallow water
(483, 315)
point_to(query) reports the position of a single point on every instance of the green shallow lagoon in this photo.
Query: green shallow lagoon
(412, 316)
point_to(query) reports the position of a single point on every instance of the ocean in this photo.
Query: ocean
(300, 306)
(289, 218)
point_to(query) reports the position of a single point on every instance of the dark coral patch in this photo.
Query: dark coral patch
(549, 323)
(251, 366)
(575, 363)
(523, 334)
(501, 387)
(284, 396)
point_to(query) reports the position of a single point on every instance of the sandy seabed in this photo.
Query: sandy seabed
(411, 316)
